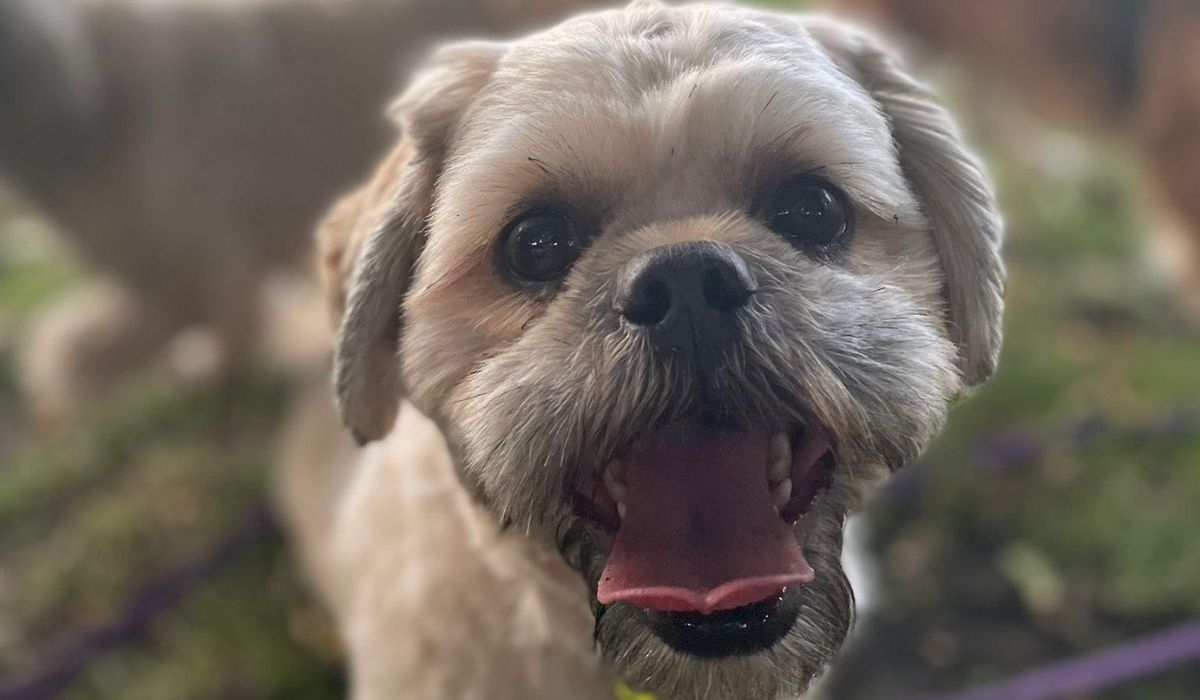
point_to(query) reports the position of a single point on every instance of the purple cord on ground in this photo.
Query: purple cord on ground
(1099, 670)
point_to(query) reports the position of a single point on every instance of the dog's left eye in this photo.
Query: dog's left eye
(810, 212)
(541, 246)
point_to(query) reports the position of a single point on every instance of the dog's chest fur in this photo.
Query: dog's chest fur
(440, 603)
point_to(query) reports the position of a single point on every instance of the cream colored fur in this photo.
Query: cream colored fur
(437, 602)
(491, 402)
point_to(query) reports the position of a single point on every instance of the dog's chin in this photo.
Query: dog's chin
(701, 537)
(770, 648)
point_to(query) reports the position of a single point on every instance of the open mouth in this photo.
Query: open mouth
(702, 520)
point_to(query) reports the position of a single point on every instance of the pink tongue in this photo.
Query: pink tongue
(700, 532)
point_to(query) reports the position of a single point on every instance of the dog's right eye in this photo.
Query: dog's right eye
(541, 246)
(810, 213)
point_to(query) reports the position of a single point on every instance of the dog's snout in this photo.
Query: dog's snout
(686, 295)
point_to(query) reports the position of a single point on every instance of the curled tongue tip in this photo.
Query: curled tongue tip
(734, 594)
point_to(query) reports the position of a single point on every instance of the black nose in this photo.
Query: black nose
(686, 295)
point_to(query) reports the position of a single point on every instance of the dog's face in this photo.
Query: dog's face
(676, 284)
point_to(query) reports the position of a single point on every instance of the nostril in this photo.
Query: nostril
(649, 305)
(724, 289)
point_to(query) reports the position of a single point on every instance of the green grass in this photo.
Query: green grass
(89, 521)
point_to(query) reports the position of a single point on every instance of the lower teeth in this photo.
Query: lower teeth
(781, 494)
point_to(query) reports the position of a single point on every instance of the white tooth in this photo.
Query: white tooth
(621, 509)
(612, 483)
(781, 494)
(779, 466)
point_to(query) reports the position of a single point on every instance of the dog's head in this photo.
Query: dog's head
(676, 283)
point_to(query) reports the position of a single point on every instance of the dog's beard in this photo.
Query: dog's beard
(538, 421)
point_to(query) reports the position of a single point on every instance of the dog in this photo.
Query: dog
(1127, 70)
(186, 148)
(627, 322)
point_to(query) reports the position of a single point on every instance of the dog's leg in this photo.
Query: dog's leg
(1176, 180)
(83, 345)
(94, 340)
(1166, 122)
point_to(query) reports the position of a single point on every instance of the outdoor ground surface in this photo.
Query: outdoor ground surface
(1058, 514)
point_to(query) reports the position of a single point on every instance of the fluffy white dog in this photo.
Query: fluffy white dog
(633, 314)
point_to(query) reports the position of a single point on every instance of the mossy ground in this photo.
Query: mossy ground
(107, 521)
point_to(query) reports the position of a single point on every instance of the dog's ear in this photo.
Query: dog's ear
(372, 239)
(954, 193)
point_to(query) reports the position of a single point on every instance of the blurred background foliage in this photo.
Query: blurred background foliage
(1057, 514)
(137, 543)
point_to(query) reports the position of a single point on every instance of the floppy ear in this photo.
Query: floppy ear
(372, 239)
(955, 194)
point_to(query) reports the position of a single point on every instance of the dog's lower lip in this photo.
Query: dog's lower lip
(740, 631)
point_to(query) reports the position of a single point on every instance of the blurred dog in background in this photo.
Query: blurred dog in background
(185, 149)
(1125, 69)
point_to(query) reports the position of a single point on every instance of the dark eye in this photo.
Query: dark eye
(541, 246)
(809, 212)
